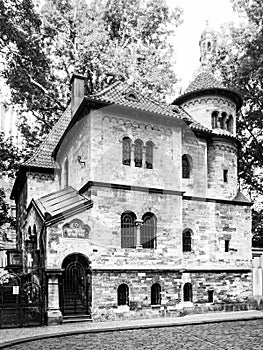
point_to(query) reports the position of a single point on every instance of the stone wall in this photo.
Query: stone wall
(222, 155)
(228, 288)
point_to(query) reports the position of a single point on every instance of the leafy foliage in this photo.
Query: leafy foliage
(240, 61)
(105, 40)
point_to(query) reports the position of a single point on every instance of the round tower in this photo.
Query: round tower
(214, 106)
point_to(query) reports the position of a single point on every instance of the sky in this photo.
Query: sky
(196, 13)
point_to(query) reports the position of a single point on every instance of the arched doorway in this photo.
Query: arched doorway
(75, 291)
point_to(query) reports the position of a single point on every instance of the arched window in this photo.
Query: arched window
(149, 155)
(209, 46)
(188, 293)
(123, 294)
(156, 294)
(229, 124)
(214, 119)
(138, 153)
(223, 120)
(66, 173)
(126, 151)
(186, 166)
(148, 231)
(187, 240)
(128, 230)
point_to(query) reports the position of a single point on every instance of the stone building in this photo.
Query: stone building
(131, 208)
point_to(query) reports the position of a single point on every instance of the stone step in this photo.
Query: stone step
(76, 318)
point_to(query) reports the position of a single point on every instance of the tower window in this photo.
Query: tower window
(138, 153)
(223, 120)
(225, 175)
(227, 245)
(126, 151)
(156, 294)
(209, 46)
(214, 119)
(188, 293)
(229, 124)
(123, 294)
(186, 166)
(187, 240)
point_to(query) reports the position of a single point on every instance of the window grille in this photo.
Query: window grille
(187, 241)
(148, 231)
(126, 151)
(128, 230)
(138, 153)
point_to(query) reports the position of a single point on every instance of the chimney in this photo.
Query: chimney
(77, 91)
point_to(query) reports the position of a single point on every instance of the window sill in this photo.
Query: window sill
(156, 306)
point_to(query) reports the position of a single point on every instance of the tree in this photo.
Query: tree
(239, 59)
(10, 158)
(105, 40)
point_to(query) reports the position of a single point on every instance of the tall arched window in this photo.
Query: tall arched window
(187, 240)
(126, 151)
(148, 231)
(214, 119)
(123, 294)
(138, 153)
(188, 293)
(66, 173)
(156, 294)
(229, 123)
(128, 230)
(149, 155)
(186, 166)
(223, 120)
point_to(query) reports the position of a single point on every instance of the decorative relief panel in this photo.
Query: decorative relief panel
(76, 229)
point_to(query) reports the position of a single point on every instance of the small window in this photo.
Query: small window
(214, 119)
(148, 231)
(156, 294)
(126, 151)
(209, 46)
(188, 293)
(223, 120)
(229, 124)
(123, 295)
(149, 155)
(128, 230)
(210, 296)
(138, 153)
(66, 173)
(225, 175)
(227, 245)
(186, 167)
(187, 240)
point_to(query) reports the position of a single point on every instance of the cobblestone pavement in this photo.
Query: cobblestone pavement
(239, 335)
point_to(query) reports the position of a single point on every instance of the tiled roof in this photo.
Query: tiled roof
(42, 157)
(203, 81)
(61, 202)
(123, 94)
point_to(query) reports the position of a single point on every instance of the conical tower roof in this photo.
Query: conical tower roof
(205, 83)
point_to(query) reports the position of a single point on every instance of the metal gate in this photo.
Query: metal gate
(76, 286)
(20, 301)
